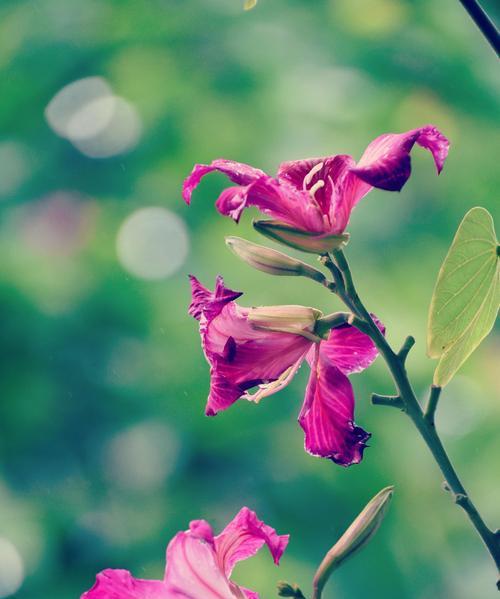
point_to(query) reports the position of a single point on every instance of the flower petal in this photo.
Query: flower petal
(201, 529)
(296, 171)
(243, 537)
(210, 303)
(386, 162)
(120, 584)
(327, 414)
(348, 189)
(193, 571)
(243, 357)
(239, 173)
(349, 349)
(278, 199)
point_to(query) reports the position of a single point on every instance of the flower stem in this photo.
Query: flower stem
(407, 399)
(485, 24)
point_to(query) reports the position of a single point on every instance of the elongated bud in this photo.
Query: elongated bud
(249, 4)
(300, 240)
(299, 320)
(272, 261)
(355, 537)
(286, 589)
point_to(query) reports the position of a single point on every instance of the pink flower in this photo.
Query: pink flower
(199, 564)
(319, 194)
(243, 353)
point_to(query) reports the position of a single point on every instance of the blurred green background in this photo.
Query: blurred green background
(105, 451)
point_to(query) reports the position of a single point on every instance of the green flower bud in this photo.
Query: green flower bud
(300, 240)
(355, 537)
(271, 261)
(249, 4)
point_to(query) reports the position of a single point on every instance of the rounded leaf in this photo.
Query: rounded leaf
(466, 297)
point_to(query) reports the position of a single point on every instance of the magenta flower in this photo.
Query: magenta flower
(199, 564)
(243, 352)
(318, 195)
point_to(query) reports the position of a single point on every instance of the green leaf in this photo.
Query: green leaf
(466, 297)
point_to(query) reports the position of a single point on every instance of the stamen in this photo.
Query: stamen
(308, 178)
(318, 185)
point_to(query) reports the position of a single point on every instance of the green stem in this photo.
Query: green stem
(424, 423)
(430, 408)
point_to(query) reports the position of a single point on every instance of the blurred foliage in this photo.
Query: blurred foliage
(105, 452)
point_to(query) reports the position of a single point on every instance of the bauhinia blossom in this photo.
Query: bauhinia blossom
(264, 348)
(199, 564)
(317, 195)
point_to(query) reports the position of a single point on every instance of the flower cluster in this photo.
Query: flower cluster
(255, 352)
(311, 202)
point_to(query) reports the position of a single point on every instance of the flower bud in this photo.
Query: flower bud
(355, 537)
(300, 240)
(249, 4)
(271, 261)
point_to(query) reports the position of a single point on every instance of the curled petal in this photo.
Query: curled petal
(349, 349)
(243, 537)
(209, 303)
(201, 529)
(120, 584)
(233, 201)
(386, 162)
(237, 172)
(192, 570)
(327, 415)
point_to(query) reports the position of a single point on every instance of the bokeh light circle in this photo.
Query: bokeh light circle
(152, 243)
(97, 122)
(11, 569)
(72, 99)
(142, 457)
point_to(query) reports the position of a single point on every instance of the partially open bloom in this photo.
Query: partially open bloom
(264, 348)
(318, 195)
(199, 564)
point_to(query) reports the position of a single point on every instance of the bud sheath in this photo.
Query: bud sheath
(300, 240)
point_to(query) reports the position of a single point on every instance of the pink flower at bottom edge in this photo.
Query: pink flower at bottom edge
(199, 564)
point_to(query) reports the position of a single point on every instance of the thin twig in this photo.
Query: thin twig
(405, 348)
(432, 402)
(484, 23)
(393, 401)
